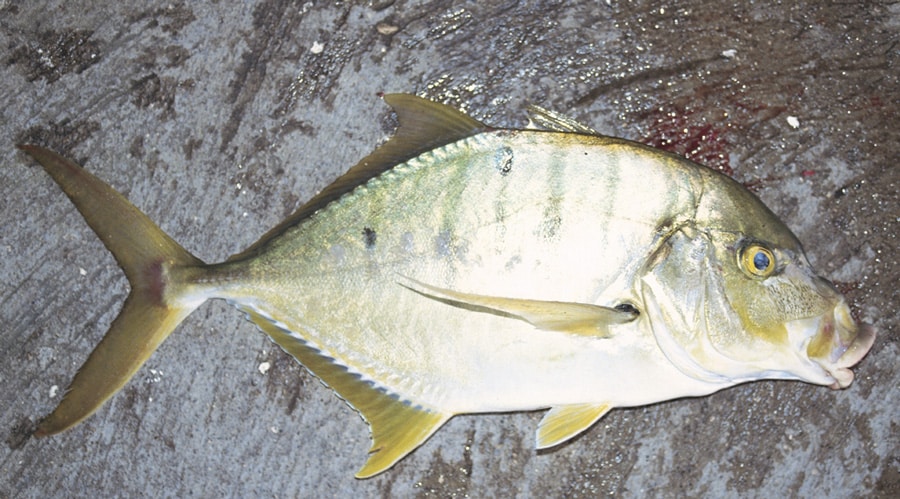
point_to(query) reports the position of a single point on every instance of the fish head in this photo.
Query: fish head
(778, 302)
(730, 300)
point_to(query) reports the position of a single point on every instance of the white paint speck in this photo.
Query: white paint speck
(54, 390)
(264, 367)
(81, 271)
(729, 54)
(317, 48)
(274, 429)
(793, 121)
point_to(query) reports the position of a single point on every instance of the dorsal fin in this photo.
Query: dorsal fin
(397, 426)
(546, 119)
(423, 125)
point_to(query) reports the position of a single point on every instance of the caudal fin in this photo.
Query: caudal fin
(160, 297)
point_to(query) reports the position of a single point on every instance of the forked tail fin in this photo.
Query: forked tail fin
(158, 270)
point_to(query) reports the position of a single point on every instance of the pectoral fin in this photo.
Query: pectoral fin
(398, 426)
(568, 317)
(564, 422)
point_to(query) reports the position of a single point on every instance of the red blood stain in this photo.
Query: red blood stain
(684, 133)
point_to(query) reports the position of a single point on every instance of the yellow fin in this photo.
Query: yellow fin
(575, 318)
(564, 422)
(157, 302)
(423, 125)
(542, 118)
(397, 426)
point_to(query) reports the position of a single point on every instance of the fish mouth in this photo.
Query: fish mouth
(840, 344)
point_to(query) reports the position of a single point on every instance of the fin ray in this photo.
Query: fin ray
(398, 427)
(565, 422)
(550, 120)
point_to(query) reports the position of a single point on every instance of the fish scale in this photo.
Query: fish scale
(465, 269)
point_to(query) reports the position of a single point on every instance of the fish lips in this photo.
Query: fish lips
(839, 344)
(843, 376)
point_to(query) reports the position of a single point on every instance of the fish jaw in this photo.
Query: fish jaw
(838, 344)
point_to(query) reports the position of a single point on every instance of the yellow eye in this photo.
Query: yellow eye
(757, 260)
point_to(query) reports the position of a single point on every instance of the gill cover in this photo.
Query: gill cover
(685, 305)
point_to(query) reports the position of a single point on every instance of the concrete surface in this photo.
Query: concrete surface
(219, 118)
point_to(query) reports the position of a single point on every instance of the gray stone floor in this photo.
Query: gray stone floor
(219, 118)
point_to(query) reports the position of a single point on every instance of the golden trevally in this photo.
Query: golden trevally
(465, 269)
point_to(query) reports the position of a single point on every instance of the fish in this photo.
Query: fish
(462, 269)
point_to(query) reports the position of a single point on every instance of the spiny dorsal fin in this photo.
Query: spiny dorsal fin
(546, 119)
(397, 426)
(564, 422)
(423, 125)
(574, 318)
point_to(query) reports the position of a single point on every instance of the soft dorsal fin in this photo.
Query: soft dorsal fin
(423, 125)
(550, 120)
(397, 426)
(564, 422)
(575, 318)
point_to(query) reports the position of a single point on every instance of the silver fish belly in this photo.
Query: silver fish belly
(466, 269)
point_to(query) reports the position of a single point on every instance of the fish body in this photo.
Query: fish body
(466, 269)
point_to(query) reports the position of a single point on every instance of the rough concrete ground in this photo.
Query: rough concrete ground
(219, 118)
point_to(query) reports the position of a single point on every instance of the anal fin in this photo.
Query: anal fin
(581, 319)
(564, 422)
(398, 427)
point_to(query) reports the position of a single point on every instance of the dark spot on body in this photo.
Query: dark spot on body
(503, 160)
(370, 236)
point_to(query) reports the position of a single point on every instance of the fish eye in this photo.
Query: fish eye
(757, 260)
